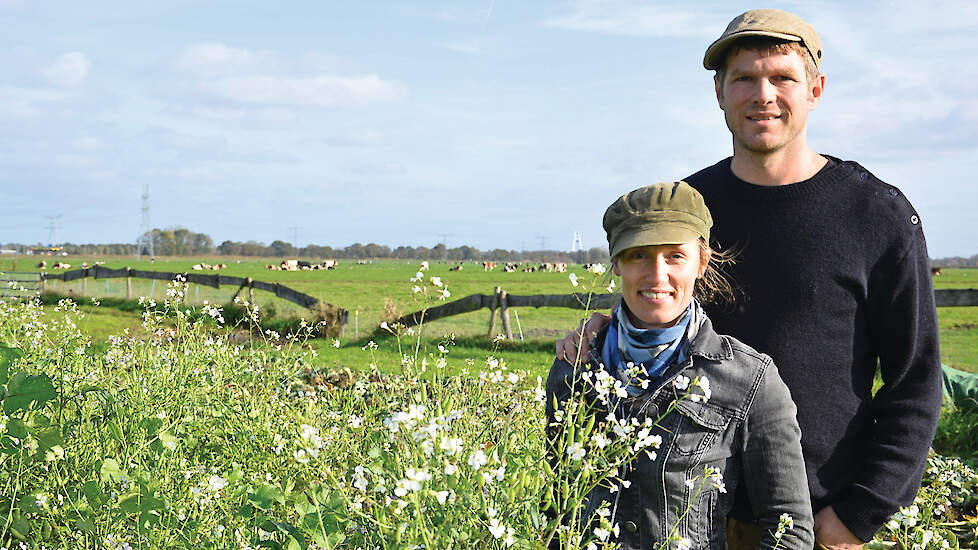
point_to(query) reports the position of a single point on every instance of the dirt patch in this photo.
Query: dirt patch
(964, 326)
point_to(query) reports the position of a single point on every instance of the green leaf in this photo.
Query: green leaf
(20, 528)
(111, 472)
(151, 425)
(168, 441)
(115, 431)
(27, 391)
(94, 494)
(7, 357)
(85, 525)
(16, 428)
(265, 496)
(129, 503)
(28, 503)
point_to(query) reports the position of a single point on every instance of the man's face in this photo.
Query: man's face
(766, 100)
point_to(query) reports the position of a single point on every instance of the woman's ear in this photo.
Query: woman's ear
(705, 254)
(614, 267)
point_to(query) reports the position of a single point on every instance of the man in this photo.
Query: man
(835, 277)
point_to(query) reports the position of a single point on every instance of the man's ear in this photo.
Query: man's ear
(719, 88)
(614, 267)
(817, 87)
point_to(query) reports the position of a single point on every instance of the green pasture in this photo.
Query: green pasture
(371, 291)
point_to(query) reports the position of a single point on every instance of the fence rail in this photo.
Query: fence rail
(214, 281)
(19, 284)
(502, 301)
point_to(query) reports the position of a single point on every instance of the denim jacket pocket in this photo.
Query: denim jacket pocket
(699, 427)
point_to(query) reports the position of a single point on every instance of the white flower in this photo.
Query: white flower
(415, 289)
(611, 286)
(450, 469)
(445, 293)
(683, 544)
(596, 268)
(216, 483)
(573, 279)
(451, 445)
(436, 281)
(576, 452)
(336, 343)
(478, 459)
(599, 440)
(497, 529)
(681, 382)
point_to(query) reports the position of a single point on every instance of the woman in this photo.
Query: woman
(742, 423)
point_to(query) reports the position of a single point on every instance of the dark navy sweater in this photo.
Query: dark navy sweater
(835, 279)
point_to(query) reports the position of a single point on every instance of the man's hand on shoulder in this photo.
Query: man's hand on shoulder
(568, 348)
(831, 533)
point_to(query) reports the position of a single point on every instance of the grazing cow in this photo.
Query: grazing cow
(271, 267)
(456, 268)
(197, 267)
(935, 271)
(424, 266)
(42, 264)
(488, 266)
(61, 265)
(330, 264)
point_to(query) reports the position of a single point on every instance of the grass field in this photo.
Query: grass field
(366, 290)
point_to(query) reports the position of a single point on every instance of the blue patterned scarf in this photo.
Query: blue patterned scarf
(654, 350)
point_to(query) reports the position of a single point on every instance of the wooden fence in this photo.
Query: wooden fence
(214, 281)
(502, 301)
(19, 285)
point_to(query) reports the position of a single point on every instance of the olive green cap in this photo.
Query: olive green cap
(663, 213)
(773, 23)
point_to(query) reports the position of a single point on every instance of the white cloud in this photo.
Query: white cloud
(626, 18)
(318, 91)
(214, 58)
(69, 71)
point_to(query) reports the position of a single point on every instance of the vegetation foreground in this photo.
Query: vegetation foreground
(175, 436)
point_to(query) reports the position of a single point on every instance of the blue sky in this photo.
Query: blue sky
(488, 123)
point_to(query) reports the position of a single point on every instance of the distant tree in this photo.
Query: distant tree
(281, 248)
(373, 250)
(230, 248)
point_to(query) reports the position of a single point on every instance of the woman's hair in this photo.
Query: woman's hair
(713, 286)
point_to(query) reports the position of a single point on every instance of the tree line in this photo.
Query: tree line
(180, 241)
(184, 242)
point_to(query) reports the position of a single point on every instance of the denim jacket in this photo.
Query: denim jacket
(747, 429)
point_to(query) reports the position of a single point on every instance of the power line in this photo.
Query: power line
(145, 239)
(53, 230)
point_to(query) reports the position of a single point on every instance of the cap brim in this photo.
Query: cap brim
(718, 49)
(653, 236)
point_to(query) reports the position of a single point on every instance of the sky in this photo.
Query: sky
(489, 123)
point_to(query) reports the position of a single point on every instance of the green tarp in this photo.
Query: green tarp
(960, 387)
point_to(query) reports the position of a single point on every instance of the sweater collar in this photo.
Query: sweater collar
(837, 171)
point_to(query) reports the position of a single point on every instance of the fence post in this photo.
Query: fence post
(492, 312)
(251, 291)
(84, 282)
(504, 313)
(128, 283)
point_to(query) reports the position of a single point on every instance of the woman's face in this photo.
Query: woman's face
(657, 281)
